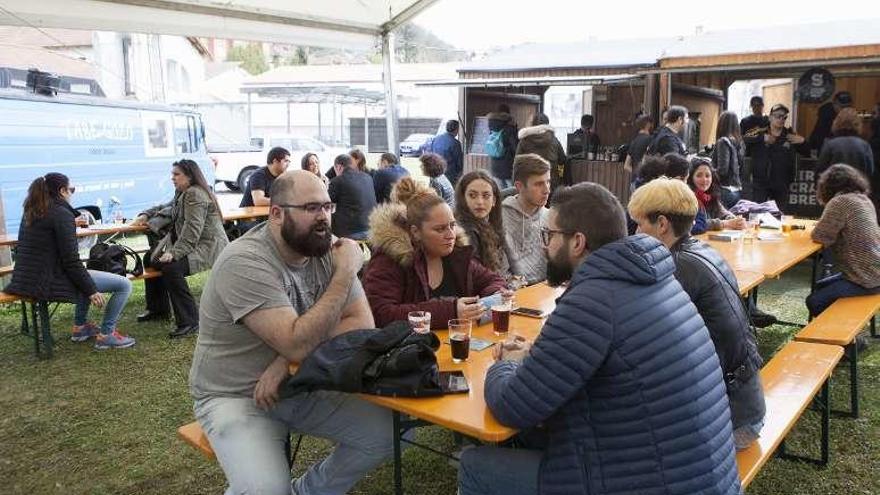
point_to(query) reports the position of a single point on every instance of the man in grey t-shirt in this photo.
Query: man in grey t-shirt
(273, 296)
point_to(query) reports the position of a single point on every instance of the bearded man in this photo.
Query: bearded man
(273, 296)
(623, 376)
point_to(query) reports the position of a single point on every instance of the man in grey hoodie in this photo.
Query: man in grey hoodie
(524, 215)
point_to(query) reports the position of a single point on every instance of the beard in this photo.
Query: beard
(314, 242)
(559, 268)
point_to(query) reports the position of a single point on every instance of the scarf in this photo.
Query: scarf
(703, 197)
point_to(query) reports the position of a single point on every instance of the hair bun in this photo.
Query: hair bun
(408, 189)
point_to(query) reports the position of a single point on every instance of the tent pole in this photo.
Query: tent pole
(390, 96)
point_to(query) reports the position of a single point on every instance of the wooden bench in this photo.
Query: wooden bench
(192, 434)
(791, 381)
(839, 325)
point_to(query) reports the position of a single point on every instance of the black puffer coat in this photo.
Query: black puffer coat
(47, 265)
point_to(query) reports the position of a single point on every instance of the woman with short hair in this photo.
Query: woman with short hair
(847, 145)
(421, 261)
(194, 241)
(848, 227)
(48, 268)
(433, 166)
(478, 212)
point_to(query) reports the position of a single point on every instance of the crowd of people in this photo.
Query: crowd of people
(643, 379)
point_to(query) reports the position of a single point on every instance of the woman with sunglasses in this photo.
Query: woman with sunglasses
(422, 262)
(48, 268)
(191, 245)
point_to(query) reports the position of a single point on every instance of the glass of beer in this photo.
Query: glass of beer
(460, 339)
(501, 318)
(419, 321)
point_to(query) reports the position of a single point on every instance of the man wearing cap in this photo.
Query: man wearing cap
(755, 125)
(773, 159)
(825, 117)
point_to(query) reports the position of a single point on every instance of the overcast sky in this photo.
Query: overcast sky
(481, 24)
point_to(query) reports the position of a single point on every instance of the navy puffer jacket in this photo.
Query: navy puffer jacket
(625, 378)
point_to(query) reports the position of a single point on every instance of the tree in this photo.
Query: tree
(250, 56)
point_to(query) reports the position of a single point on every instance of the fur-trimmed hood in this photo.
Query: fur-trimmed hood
(390, 235)
(543, 131)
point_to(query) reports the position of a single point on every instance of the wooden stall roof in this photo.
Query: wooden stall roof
(840, 55)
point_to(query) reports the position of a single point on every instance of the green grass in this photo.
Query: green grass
(104, 422)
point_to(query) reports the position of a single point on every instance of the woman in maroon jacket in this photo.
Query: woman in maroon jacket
(422, 262)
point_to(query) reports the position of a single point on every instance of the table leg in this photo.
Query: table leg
(398, 474)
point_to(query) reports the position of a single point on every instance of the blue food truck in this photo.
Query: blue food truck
(115, 152)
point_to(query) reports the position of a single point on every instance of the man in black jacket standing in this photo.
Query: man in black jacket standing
(355, 198)
(668, 138)
(755, 125)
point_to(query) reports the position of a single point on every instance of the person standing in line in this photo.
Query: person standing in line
(753, 127)
(728, 158)
(433, 167)
(586, 136)
(540, 139)
(502, 123)
(448, 146)
(773, 160)
(847, 145)
(390, 171)
(639, 144)
(668, 138)
(354, 196)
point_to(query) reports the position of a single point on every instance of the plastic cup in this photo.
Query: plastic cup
(419, 321)
(460, 339)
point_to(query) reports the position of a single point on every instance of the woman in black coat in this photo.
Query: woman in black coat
(48, 268)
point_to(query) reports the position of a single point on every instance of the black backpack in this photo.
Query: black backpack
(113, 258)
(391, 361)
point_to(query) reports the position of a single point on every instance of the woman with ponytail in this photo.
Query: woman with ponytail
(48, 268)
(422, 261)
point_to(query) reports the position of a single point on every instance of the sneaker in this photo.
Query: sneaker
(113, 340)
(82, 333)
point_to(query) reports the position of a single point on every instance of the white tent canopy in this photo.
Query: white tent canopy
(330, 23)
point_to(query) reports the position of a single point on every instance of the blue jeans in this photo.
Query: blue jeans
(501, 471)
(249, 442)
(105, 282)
(833, 288)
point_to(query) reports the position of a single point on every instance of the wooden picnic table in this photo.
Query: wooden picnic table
(125, 228)
(771, 258)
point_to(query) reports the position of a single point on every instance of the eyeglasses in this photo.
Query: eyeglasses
(547, 234)
(313, 208)
(780, 116)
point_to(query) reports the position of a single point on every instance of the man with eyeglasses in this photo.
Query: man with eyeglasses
(623, 377)
(355, 197)
(273, 296)
(773, 160)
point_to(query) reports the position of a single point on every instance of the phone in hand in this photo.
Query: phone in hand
(530, 312)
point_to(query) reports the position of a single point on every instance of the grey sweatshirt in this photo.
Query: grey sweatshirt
(523, 235)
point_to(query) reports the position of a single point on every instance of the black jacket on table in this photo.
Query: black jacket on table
(47, 265)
